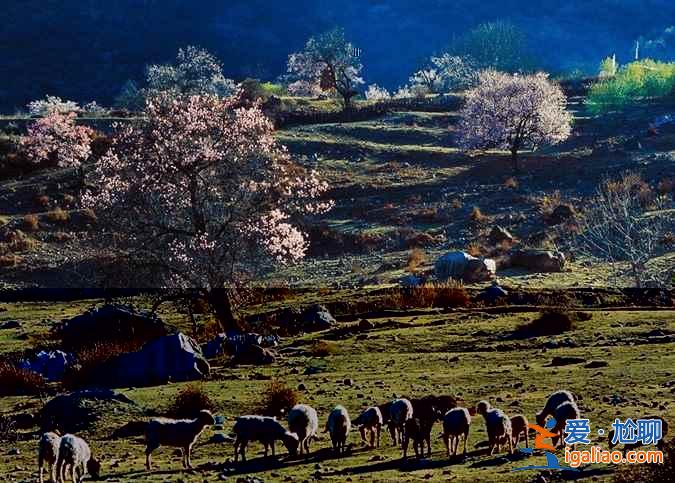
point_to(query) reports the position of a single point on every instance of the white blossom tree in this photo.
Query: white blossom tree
(331, 62)
(194, 72)
(514, 112)
(58, 141)
(203, 197)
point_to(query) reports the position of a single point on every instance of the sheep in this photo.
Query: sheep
(554, 400)
(418, 430)
(632, 446)
(303, 421)
(48, 452)
(498, 426)
(76, 458)
(456, 423)
(399, 412)
(519, 427)
(565, 411)
(263, 429)
(339, 425)
(371, 421)
(180, 433)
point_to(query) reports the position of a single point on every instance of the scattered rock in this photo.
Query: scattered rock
(538, 260)
(462, 266)
(493, 294)
(348, 382)
(232, 343)
(317, 318)
(221, 438)
(11, 324)
(254, 355)
(51, 365)
(596, 364)
(565, 361)
(302, 387)
(366, 325)
(14, 452)
(77, 411)
(411, 281)
(172, 358)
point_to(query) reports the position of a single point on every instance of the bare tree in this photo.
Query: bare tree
(625, 226)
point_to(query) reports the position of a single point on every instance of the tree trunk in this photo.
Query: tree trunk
(221, 304)
(514, 160)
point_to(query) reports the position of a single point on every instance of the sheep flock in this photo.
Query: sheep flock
(409, 422)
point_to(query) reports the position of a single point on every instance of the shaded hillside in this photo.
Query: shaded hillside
(85, 50)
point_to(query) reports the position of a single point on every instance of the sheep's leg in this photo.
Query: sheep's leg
(428, 446)
(188, 457)
(266, 448)
(148, 456)
(466, 436)
(446, 442)
(236, 449)
(527, 439)
(273, 451)
(73, 473)
(405, 448)
(379, 430)
(41, 471)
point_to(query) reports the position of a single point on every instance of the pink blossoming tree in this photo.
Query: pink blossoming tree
(204, 196)
(57, 141)
(514, 112)
(331, 62)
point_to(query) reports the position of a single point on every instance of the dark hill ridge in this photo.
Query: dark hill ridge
(86, 49)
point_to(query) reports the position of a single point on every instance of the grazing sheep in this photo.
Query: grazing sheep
(179, 433)
(498, 426)
(456, 423)
(48, 452)
(633, 446)
(303, 421)
(418, 430)
(264, 429)
(554, 400)
(370, 420)
(75, 457)
(567, 410)
(519, 427)
(399, 412)
(339, 425)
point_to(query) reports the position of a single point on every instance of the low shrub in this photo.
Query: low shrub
(31, 223)
(8, 261)
(189, 401)
(15, 381)
(89, 361)
(58, 215)
(437, 294)
(277, 399)
(416, 258)
(322, 348)
(551, 322)
(42, 201)
(477, 215)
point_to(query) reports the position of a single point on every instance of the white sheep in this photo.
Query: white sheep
(179, 433)
(498, 426)
(339, 425)
(519, 427)
(554, 400)
(75, 458)
(565, 411)
(263, 429)
(456, 424)
(48, 453)
(399, 412)
(303, 421)
(370, 420)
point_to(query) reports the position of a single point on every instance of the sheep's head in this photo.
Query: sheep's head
(206, 418)
(291, 441)
(541, 419)
(482, 407)
(94, 467)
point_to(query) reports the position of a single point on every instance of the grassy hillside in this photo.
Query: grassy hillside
(468, 355)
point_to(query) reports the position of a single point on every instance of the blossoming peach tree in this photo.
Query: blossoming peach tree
(330, 62)
(204, 197)
(57, 141)
(514, 112)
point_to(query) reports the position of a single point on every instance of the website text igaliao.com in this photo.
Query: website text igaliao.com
(596, 454)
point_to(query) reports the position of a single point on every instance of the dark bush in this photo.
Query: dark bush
(90, 359)
(15, 381)
(277, 399)
(189, 401)
(551, 322)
